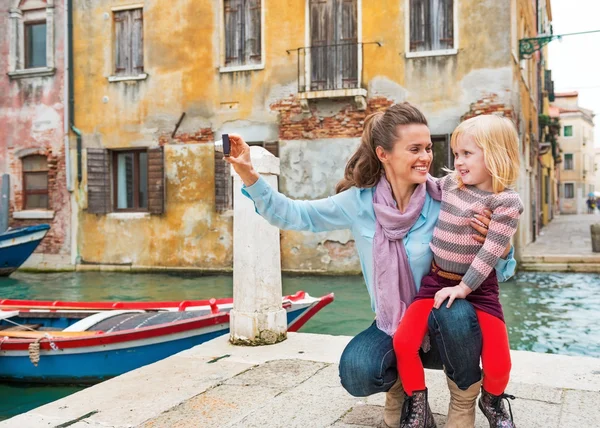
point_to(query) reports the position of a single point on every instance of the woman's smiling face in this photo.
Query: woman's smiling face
(411, 155)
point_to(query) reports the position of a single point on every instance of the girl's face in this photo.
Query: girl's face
(470, 163)
(411, 155)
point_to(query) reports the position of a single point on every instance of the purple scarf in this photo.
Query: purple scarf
(394, 285)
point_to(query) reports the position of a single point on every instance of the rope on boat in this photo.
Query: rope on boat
(34, 348)
(19, 325)
(34, 351)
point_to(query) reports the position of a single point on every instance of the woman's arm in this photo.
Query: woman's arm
(316, 216)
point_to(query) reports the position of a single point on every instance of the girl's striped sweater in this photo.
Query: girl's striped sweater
(454, 248)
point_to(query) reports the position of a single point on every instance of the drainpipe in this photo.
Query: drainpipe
(72, 91)
(70, 123)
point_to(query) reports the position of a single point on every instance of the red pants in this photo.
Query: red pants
(495, 355)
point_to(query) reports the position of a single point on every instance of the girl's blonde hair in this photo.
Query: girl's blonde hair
(498, 138)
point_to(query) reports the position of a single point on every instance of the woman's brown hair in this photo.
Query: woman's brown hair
(380, 129)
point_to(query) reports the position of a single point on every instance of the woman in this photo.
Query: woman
(383, 201)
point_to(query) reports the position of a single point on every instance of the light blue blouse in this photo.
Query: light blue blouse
(353, 209)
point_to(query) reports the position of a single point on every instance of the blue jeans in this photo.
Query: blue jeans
(368, 364)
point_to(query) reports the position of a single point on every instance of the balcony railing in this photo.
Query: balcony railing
(330, 67)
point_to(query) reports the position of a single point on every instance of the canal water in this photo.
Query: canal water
(550, 313)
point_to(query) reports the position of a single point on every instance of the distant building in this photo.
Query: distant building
(578, 168)
(32, 121)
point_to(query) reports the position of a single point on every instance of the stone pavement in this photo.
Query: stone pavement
(565, 245)
(296, 384)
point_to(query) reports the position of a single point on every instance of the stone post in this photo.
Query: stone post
(4, 202)
(257, 317)
(595, 232)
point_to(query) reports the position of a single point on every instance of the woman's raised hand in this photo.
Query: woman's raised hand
(239, 158)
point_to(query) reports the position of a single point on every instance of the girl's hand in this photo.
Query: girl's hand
(485, 220)
(459, 291)
(239, 158)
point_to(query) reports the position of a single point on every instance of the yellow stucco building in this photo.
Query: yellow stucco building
(155, 83)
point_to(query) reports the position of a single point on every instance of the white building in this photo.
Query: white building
(578, 168)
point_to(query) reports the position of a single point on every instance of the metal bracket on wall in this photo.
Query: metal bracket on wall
(530, 45)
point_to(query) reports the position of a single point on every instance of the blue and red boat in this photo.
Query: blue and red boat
(85, 343)
(16, 245)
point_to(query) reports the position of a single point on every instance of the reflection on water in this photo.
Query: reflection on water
(553, 313)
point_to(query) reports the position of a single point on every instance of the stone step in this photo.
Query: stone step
(560, 258)
(560, 267)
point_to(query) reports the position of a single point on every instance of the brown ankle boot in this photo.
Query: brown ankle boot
(461, 411)
(416, 412)
(494, 410)
(394, 399)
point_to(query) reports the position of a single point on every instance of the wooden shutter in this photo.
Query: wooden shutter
(233, 32)
(156, 180)
(347, 70)
(446, 20)
(98, 181)
(223, 181)
(122, 43)
(417, 25)
(272, 147)
(321, 39)
(252, 24)
(137, 41)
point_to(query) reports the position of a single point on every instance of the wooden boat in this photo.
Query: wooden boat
(16, 245)
(85, 343)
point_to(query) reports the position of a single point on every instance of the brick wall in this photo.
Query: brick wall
(347, 123)
(489, 105)
(203, 135)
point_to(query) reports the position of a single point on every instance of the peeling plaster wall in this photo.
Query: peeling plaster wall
(32, 122)
(310, 169)
(190, 234)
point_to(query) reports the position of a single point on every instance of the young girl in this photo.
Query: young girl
(486, 164)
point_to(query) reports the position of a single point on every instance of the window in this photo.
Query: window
(431, 25)
(569, 190)
(547, 188)
(129, 42)
(333, 52)
(35, 45)
(442, 155)
(568, 131)
(568, 165)
(243, 41)
(31, 45)
(130, 181)
(35, 182)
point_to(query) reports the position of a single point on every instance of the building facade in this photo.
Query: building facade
(578, 172)
(298, 80)
(32, 121)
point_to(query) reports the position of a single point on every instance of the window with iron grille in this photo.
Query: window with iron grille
(243, 44)
(35, 182)
(333, 51)
(129, 42)
(431, 25)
